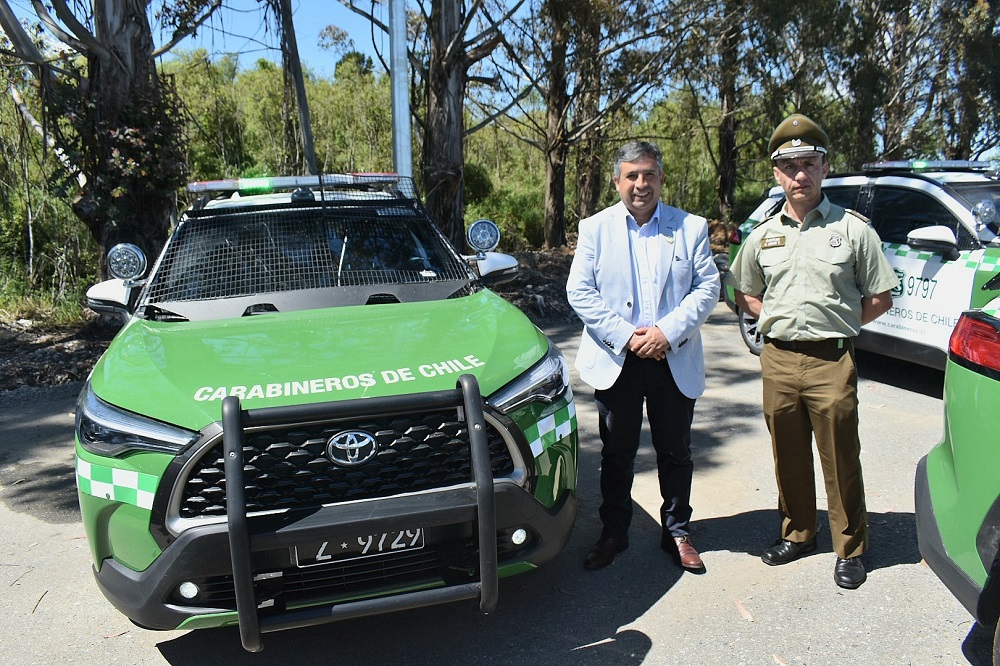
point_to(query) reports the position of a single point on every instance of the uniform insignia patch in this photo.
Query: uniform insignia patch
(772, 241)
(835, 240)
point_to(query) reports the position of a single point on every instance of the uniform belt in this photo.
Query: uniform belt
(809, 345)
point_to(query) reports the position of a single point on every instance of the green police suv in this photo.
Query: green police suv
(957, 486)
(316, 410)
(939, 228)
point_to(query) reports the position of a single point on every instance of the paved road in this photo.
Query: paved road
(642, 610)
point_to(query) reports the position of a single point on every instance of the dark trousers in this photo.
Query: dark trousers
(670, 413)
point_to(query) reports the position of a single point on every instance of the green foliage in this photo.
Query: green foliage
(478, 184)
(520, 214)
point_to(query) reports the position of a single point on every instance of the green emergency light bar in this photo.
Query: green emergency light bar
(270, 184)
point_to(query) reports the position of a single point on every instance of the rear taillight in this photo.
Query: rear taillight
(735, 237)
(976, 340)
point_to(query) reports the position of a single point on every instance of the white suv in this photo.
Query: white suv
(939, 228)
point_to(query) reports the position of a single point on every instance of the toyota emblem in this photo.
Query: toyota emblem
(351, 448)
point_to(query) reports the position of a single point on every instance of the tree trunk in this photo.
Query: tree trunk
(443, 145)
(133, 163)
(588, 157)
(557, 103)
(728, 151)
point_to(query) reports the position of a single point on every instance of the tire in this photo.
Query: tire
(751, 336)
(996, 645)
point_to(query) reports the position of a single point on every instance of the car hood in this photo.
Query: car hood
(180, 372)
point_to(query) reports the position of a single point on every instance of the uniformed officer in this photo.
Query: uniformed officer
(812, 274)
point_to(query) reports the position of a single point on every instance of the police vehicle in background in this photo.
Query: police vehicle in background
(939, 227)
(316, 410)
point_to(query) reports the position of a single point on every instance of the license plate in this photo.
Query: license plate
(353, 548)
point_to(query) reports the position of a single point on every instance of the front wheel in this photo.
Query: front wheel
(751, 335)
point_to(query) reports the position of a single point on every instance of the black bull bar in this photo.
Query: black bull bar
(242, 541)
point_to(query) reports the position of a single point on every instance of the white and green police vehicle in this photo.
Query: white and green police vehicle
(939, 229)
(318, 410)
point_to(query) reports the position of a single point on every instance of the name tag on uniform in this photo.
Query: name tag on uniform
(772, 241)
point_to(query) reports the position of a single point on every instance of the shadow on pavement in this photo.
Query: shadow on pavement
(978, 645)
(36, 457)
(893, 536)
(903, 375)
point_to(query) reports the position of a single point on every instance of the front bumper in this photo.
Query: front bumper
(932, 547)
(150, 599)
(246, 570)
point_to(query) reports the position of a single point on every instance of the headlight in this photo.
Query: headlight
(108, 431)
(546, 381)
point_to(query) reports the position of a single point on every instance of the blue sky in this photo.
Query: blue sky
(237, 28)
(245, 35)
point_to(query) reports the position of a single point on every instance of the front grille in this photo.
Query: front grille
(285, 467)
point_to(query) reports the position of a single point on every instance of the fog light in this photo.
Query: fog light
(188, 590)
(519, 536)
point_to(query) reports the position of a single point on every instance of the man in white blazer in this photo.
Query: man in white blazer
(643, 282)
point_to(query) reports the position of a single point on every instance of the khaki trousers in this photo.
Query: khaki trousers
(815, 394)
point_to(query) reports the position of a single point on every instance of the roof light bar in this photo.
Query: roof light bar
(268, 184)
(930, 165)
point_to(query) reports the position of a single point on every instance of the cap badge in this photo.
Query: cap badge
(835, 240)
(796, 142)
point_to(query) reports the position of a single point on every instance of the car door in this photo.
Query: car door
(934, 289)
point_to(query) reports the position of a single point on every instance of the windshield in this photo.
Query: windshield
(972, 193)
(231, 253)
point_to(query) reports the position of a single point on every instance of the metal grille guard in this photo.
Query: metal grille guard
(234, 420)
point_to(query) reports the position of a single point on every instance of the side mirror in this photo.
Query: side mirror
(496, 268)
(493, 267)
(127, 264)
(937, 238)
(111, 297)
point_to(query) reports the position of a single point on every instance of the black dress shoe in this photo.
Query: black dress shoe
(603, 553)
(849, 573)
(783, 552)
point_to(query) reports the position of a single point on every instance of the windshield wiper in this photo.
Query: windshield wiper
(259, 308)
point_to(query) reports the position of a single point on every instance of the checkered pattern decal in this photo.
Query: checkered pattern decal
(120, 485)
(965, 259)
(550, 429)
(990, 261)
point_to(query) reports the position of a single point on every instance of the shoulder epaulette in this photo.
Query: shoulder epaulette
(859, 216)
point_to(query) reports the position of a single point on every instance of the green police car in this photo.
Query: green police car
(939, 228)
(957, 486)
(317, 409)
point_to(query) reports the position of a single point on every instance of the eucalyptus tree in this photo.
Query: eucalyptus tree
(449, 39)
(109, 110)
(916, 78)
(745, 65)
(583, 61)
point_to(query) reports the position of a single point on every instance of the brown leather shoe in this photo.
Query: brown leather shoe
(603, 553)
(683, 553)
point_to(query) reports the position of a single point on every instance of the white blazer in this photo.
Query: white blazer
(601, 292)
